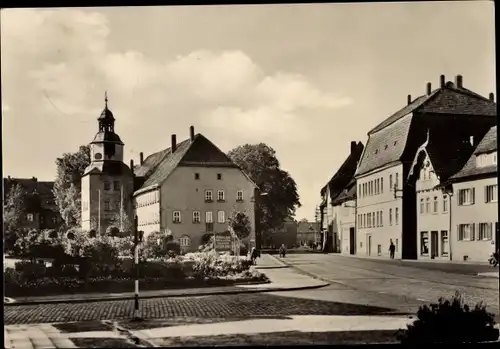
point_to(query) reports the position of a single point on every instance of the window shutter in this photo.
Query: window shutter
(473, 199)
(473, 232)
(485, 193)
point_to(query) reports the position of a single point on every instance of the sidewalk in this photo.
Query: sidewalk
(386, 258)
(281, 279)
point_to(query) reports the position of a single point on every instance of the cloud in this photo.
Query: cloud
(65, 54)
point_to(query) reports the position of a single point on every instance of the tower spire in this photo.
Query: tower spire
(106, 99)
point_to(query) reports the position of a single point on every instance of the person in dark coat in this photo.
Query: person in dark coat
(392, 249)
(282, 250)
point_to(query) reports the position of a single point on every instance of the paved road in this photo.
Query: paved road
(411, 281)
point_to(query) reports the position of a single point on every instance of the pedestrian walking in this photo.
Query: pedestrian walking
(392, 249)
(282, 250)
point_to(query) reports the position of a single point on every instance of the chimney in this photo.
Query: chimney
(132, 165)
(459, 81)
(174, 143)
(429, 88)
(492, 96)
(191, 133)
(353, 147)
(141, 157)
(442, 80)
(409, 99)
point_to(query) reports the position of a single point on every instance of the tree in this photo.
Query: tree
(240, 223)
(259, 162)
(13, 215)
(67, 186)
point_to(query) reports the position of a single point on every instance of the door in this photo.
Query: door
(434, 244)
(369, 245)
(497, 237)
(352, 241)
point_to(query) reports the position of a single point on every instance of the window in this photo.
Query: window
(377, 186)
(209, 217)
(424, 243)
(219, 176)
(221, 217)
(445, 203)
(381, 218)
(220, 195)
(377, 221)
(466, 196)
(106, 205)
(176, 216)
(379, 250)
(381, 185)
(107, 186)
(116, 185)
(373, 220)
(397, 180)
(359, 190)
(491, 193)
(29, 217)
(427, 205)
(422, 206)
(390, 216)
(185, 241)
(435, 206)
(364, 220)
(208, 195)
(54, 219)
(390, 182)
(484, 231)
(396, 215)
(239, 195)
(464, 232)
(360, 221)
(444, 243)
(369, 220)
(196, 176)
(196, 217)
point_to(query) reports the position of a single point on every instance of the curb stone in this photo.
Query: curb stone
(329, 282)
(131, 297)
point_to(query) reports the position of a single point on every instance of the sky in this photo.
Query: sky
(306, 79)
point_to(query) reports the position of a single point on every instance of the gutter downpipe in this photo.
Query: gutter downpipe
(450, 195)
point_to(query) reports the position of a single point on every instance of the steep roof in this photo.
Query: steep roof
(349, 193)
(113, 168)
(200, 152)
(487, 144)
(345, 173)
(387, 141)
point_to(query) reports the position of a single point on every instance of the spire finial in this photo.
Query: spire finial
(106, 98)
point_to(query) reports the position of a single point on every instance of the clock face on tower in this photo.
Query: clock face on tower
(98, 156)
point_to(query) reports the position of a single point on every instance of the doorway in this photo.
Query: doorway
(497, 237)
(352, 241)
(369, 245)
(434, 244)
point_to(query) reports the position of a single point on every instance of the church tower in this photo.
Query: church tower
(107, 183)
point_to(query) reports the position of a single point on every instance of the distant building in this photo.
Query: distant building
(345, 207)
(308, 233)
(287, 235)
(335, 211)
(41, 211)
(188, 190)
(474, 205)
(386, 202)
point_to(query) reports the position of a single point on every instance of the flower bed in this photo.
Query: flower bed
(190, 271)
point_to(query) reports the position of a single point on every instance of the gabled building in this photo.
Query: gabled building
(331, 215)
(345, 207)
(474, 205)
(191, 189)
(308, 233)
(41, 211)
(386, 203)
(435, 162)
